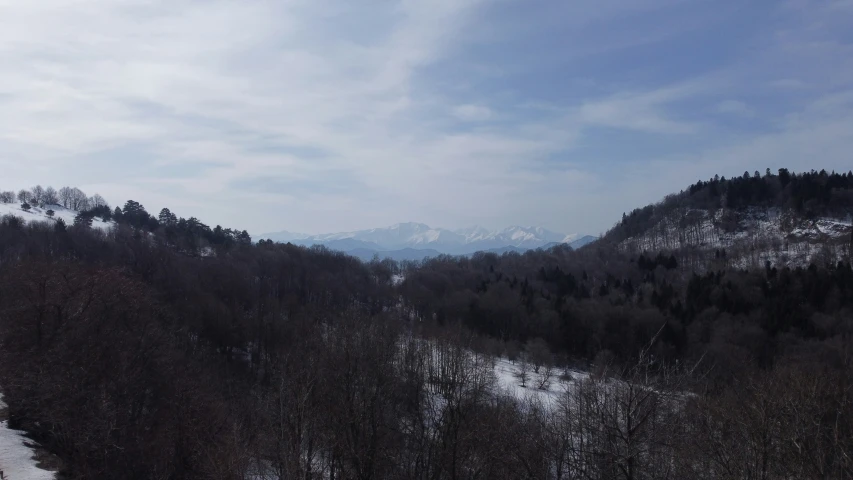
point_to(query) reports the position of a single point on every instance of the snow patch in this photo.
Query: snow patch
(750, 237)
(17, 460)
(506, 373)
(37, 214)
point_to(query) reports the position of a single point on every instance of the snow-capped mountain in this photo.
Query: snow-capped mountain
(284, 236)
(420, 236)
(474, 234)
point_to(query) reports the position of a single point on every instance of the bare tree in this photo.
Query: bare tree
(788, 423)
(7, 197)
(78, 200)
(97, 201)
(633, 423)
(65, 194)
(523, 373)
(545, 375)
(24, 196)
(539, 353)
(38, 195)
(51, 197)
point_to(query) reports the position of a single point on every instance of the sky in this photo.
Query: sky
(323, 116)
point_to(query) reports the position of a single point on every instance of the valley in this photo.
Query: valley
(683, 343)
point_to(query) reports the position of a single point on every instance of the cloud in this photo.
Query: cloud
(330, 115)
(735, 107)
(472, 113)
(788, 83)
(644, 112)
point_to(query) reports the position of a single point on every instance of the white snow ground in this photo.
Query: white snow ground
(508, 382)
(16, 458)
(36, 214)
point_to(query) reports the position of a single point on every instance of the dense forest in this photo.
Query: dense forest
(166, 349)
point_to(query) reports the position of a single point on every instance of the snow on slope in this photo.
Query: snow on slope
(16, 458)
(36, 214)
(474, 234)
(506, 374)
(751, 237)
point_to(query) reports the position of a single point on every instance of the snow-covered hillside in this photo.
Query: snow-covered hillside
(421, 236)
(750, 237)
(36, 214)
(17, 460)
(507, 376)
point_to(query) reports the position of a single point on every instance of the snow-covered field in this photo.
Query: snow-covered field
(17, 460)
(36, 214)
(506, 373)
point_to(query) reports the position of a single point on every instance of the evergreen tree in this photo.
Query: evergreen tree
(83, 219)
(166, 217)
(132, 208)
(135, 214)
(784, 176)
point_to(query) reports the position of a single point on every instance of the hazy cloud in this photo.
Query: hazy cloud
(472, 112)
(329, 115)
(735, 107)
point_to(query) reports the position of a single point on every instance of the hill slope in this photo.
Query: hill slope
(36, 214)
(784, 219)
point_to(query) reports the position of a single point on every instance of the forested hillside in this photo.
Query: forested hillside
(786, 219)
(163, 348)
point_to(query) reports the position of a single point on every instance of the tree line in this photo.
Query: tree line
(162, 348)
(69, 197)
(809, 194)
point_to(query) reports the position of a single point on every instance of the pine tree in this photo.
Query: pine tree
(83, 220)
(166, 217)
(132, 208)
(134, 213)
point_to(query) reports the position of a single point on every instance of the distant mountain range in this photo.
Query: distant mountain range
(415, 241)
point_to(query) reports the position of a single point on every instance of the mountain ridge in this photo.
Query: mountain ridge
(420, 236)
